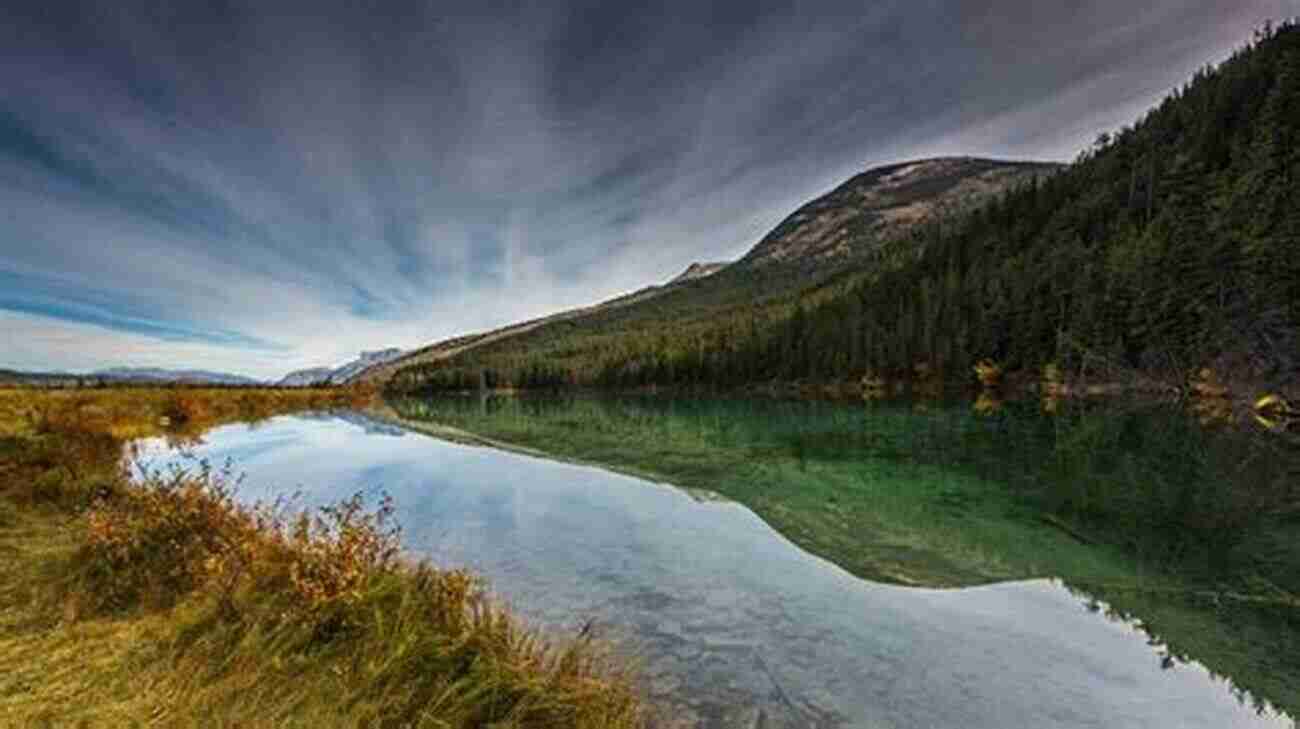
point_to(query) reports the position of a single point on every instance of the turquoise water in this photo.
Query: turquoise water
(732, 623)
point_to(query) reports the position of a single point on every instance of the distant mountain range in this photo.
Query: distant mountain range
(47, 379)
(339, 375)
(125, 375)
(157, 374)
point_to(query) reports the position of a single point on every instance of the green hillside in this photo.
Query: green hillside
(817, 249)
(1170, 245)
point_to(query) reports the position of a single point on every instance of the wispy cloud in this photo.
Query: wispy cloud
(266, 186)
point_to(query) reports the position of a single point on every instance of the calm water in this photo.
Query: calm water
(734, 625)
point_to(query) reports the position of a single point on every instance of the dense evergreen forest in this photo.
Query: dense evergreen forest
(1167, 246)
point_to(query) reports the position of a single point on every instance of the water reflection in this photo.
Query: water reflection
(735, 625)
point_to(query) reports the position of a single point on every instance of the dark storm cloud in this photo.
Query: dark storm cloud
(266, 185)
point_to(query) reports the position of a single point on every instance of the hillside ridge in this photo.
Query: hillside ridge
(821, 238)
(886, 202)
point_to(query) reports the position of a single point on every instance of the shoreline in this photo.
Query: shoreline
(166, 597)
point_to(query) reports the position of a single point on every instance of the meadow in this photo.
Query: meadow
(166, 601)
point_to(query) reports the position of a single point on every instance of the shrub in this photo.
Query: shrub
(155, 544)
(338, 549)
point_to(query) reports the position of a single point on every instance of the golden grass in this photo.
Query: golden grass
(166, 603)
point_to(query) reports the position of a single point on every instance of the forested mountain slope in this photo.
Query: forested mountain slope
(845, 230)
(1168, 246)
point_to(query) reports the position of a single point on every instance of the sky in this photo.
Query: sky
(260, 187)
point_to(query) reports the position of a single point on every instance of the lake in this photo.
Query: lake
(937, 600)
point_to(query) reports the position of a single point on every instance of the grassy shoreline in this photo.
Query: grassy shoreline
(1229, 401)
(167, 603)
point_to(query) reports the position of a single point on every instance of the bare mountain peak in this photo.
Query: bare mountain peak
(884, 203)
(699, 270)
(342, 374)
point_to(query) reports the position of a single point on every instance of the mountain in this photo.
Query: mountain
(14, 378)
(124, 375)
(699, 270)
(155, 374)
(822, 240)
(884, 203)
(448, 348)
(341, 374)
(306, 378)
(1167, 246)
(366, 360)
